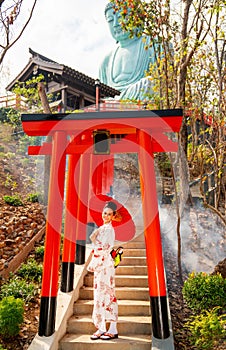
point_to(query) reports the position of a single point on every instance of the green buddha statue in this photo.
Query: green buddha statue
(124, 67)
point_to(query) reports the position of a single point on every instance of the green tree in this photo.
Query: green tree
(29, 90)
(34, 91)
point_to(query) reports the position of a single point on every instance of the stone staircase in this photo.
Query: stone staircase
(134, 324)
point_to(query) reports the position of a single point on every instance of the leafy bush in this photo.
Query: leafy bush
(11, 316)
(10, 116)
(32, 271)
(32, 197)
(10, 156)
(202, 291)
(206, 329)
(39, 251)
(1, 347)
(18, 289)
(206, 296)
(10, 182)
(13, 200)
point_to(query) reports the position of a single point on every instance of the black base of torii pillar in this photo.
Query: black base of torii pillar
(143, 132)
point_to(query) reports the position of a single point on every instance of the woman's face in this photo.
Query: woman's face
(107, 215)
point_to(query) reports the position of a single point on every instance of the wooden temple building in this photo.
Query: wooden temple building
(70, 89)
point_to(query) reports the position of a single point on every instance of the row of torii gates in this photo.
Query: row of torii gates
(89, 141)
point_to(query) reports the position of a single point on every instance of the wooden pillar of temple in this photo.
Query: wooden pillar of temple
(64, 99)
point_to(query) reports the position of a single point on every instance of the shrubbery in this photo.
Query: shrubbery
(18, 288)
(203, 291)
(11, 316)
(10, 116)
(32, 197)
(31, 271)
(1, 347)
(207, 328)
(13, 200)
(206, 296)
(39, 252)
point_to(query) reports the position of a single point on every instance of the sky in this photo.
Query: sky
(70, 32)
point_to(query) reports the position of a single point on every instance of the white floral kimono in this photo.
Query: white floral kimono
(105, 304)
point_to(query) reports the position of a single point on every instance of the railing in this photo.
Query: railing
(13, 101)
(114, 105)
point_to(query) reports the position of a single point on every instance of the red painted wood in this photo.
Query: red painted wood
(54, 217)
(156, 276)
(71, 208)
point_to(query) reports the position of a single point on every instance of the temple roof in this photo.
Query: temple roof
(41, 64)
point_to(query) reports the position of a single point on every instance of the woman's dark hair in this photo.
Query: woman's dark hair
(112, 206)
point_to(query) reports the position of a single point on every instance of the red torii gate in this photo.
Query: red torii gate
(90, 140)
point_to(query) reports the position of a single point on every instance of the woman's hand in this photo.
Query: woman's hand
(117, 217)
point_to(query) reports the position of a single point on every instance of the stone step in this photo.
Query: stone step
(125, 307)
(131, 270)
(134, 252)
(140, 236)
(126, 325)
(134, 245)
(122, 280)
(124, 342)
(122, 293)
(134, 261)
(132, 292)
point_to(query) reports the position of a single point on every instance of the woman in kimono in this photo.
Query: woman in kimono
(105, 307)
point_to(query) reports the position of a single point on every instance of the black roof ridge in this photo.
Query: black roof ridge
(43, 58)
(37, 58)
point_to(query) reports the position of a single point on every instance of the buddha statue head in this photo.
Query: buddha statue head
(113, 15)
(124, 67)
(109, 6)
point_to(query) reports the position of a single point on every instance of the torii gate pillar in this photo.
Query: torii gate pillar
(156, 276)
(141, 132)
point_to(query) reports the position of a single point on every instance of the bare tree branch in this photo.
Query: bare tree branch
(7, 22)
(1, 2)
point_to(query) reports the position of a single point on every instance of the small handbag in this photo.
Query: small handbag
(117, 255)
